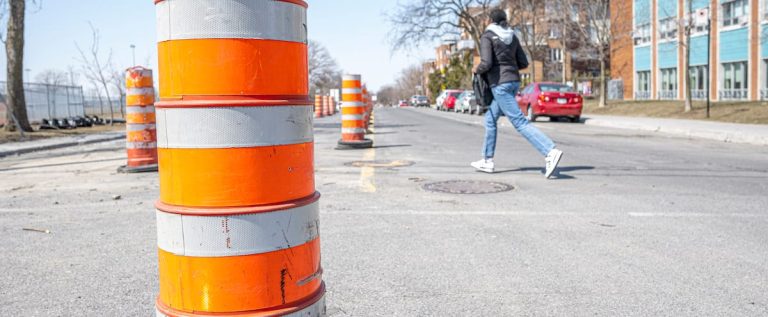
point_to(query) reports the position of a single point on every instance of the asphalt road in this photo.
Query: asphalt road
(636, 224)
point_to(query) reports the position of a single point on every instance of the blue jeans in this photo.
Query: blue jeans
(504, 101)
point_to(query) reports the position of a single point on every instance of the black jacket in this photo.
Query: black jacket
(500, 62)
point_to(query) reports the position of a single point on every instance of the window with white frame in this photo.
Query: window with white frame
(644, 81)
(735, 76)
(556, 54)
(668, 83)
(699, 77)
(735, 12)
(668, 28)
(643, 34)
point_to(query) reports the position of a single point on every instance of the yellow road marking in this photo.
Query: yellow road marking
(367, 173)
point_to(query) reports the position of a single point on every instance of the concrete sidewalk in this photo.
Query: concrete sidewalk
(16, 148)
(719, 131)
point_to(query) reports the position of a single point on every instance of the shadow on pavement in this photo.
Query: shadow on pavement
(393, 145)
(61, 164)
(558, 174)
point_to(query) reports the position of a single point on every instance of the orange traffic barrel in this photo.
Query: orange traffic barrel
(333, 105)
(141, 131)
(327, 105)
(352, 114)
(238, 214)
(318, 106)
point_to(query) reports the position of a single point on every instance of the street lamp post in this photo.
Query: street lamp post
(133, 52)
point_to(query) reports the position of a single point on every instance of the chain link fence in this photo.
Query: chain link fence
(60, 101)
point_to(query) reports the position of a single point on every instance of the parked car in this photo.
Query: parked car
(466, 102)
(419, 101)
(402, 103)
(441, 99)
(551, 100)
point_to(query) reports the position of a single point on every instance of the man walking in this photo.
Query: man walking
(502, 57)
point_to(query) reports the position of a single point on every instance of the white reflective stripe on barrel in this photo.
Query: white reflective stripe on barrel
(352, 130)
(140, 145)
(351, 91)
(139, 109)
(219, 236)
(351, 117)
(140, 91)
(130, 127)
(231, 127)
(231, 19)
(352, 104)
(351, 77)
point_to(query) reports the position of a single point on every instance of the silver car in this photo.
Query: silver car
(466, 102)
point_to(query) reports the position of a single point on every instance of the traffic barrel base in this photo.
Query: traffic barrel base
(314, 307)
(353, 145)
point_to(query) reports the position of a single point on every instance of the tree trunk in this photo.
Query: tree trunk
(602, 83)
(14, 49)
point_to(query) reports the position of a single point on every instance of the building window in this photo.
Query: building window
(668, 83)
(643, 34)
(764, 88)
(699, 80)
(668, 28)
(555, 54)
(554, 33)
(735, 81)
(735, 12)
(643, 85)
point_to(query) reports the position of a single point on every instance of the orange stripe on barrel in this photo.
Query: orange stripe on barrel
(352, 110)
(240, 283)
(139, 100)
(140, 118)
(352, 124)
(149, 135)
(232, 67)
(350, 84)
(236, 176)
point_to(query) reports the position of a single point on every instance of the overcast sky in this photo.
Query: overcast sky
(354, 31)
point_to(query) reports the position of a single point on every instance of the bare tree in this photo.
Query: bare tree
(422, 21)
(16, 104)
(95, 70)
(117, 79)
(601, 28)
(53, 80)
(324, 72)
(528, 17)
(409, 81)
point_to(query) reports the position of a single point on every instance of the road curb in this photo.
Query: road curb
(46, 147)
(691, 133)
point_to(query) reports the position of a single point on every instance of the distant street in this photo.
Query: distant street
(636, 224)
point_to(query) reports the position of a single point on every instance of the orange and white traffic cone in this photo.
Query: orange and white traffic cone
(318, 106)
(238, 214)
(141, 132)
(352, 115)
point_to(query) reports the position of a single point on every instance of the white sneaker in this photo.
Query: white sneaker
(484, 165)
(552, 160)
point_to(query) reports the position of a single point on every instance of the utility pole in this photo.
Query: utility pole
(133, 52)
(709, 52)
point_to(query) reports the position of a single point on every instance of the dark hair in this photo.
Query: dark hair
(498, 16)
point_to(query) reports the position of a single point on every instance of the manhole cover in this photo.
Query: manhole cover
(380, 163)
(468, 187)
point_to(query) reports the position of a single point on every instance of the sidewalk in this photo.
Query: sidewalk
(718, 131)
(16, 148)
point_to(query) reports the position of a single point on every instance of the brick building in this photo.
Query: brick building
(652, 61)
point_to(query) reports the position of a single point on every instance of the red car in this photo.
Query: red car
(450, 100)
(551, 100)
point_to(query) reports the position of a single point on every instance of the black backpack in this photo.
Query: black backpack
(483, 93)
